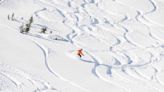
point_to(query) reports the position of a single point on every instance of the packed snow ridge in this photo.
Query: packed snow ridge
(122, 43)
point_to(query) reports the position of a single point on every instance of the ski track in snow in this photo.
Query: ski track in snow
(119, 59)
(17, 80)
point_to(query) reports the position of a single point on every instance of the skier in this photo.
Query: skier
(80, 53)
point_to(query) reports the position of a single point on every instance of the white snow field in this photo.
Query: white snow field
(122, 42)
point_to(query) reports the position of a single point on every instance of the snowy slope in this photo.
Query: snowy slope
(122, 41)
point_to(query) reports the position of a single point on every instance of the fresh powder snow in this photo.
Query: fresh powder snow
(81, 46)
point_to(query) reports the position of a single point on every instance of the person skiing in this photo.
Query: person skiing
(80, 53)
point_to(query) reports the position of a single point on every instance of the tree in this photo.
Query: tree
(31, 20)
(43, 30)
(26, 28)
(12, 17)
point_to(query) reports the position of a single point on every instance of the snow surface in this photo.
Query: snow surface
(123, 43)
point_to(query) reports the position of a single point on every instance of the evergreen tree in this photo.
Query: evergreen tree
(12, 17)
(43, 30)
(26, 28)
